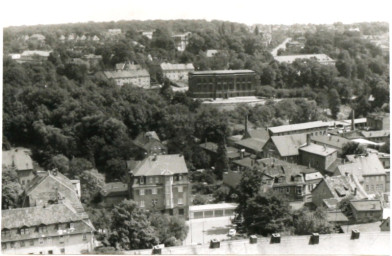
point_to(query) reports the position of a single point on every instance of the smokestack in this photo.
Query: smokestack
(308, 139)
(246, 123)
(355, 191)
(242, 153)
(352, 121)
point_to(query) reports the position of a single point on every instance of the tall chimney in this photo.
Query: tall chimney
(353, 120)
(308, 139)
(246, 124)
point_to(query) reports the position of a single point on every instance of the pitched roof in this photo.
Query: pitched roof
(161, 165)
(34, 216)
(336, 216)
(318, 150)
(288, 145)
(177, 66)
(339, 186)
(363, 166)
(366, 205)
(298, 127)
(333, 141)
(115, 188)
(18, 158)
(259, 133)
(252, 143)
(126, 73)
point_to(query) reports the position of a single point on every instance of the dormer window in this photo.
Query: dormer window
(24, 231)
(5, 233)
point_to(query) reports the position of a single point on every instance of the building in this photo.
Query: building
(147, 34)
(314, 128)
(92, 59)
(128, 66)
(284, 147)
(211, 149)
(320, 58)
(367, 171)
(317, 156)
(366, 210)
(19, 159)
(113, 193)
(251, 145)
(222, 83)
(50, 229)
(378, 121)
(386, 224)
(212, 210)
(336, 188)
(161, 182)
(150, 143)
(115, 31)
(35, 56)
(211, 53)
(330, 141)
(376, 136)
(176, 72)
(336, 217)
(181, 40)
(138, 78)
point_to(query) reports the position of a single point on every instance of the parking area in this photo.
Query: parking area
(203, 230)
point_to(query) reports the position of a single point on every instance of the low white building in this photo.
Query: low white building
(177, 72)
(139, 78)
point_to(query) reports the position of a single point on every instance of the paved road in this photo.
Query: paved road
(203, 230)
(274, 52)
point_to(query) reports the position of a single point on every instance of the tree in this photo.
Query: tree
(222, 161)
(171, 230)
(353, 148)
(344, 206)
(10, 189)
(334, 102)
(267, 213)
(248, 187)
(306, 222)
(131, 228)
(91, 182)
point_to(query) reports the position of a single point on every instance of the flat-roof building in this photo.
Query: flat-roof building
(321, 58)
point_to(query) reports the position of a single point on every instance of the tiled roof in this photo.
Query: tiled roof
(161, 165)
(339, 186)
(318, 150)
(252, 143)
(288, 145)
(363, 166)
(169, 66)
(336, 216)
(126, 73)
(333, 141)
(298, 127)
(366, 205)
(375, 134)
(34, 216)
(19, 158)
(260, 133)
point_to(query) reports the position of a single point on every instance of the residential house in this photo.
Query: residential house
(181, 40)
(147, 34)
(46, 229)
(330, 141)
(19, 160)
(211, 149)
(320, 58)
(128, 66)
(161, 182)
(335, 188)
(376, 136)
(138, 78)
(317, 156)
(95, 38)
(313, 128)
(367, 171)
(176, 72)
(251, 145)
(114, 31)
(284, 147)
(150, 143)
(336, 217)
(113, 193)
(366, 210)
(386, 224)
(378, 121)
(34, 56)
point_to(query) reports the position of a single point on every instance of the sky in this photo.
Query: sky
(33, 12)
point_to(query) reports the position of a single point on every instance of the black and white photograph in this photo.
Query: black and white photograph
(180, 127)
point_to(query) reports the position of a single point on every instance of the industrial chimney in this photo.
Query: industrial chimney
(353, 120)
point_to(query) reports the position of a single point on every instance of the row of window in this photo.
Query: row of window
(286, 190)
(41, 241)
(154, 191)
(378, 188)
(223, 79)
(39, 229)
(154, 202)
(157, 179)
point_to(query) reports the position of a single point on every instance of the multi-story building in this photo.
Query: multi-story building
(313, 128)
(331, 141)
(317, 156)
(177, 72)
(366, 210)
(150, 143)
(181, 40)
(222, 83)
(139, 78)
(161, 182)
(284, 147)
(377, 136)
(48, 229)
(378, 121)
(19, 159)
(321, 58)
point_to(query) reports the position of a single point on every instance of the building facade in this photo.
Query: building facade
(366, 210)
(317, 156)
(161, 182)
(378, 121)
(222, 83)
(314, 128)
(19, 159)
(177, 72)
(139, 78)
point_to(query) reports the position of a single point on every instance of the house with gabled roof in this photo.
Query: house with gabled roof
(19, 160)
(150, 143)
(366, 210)
(161, 182)
(284, 147)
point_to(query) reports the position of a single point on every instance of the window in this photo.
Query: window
(154, 191)
(84, 237)
(142, 192)
(141, 180)
(367, 187)
(179, 177)
(180, 201)
(157, 179)
(371, 187)
(179, 189)
(50, 252)
(42, 229)
(41, 241)
(61, 240)
(24, 231)
(23, 182)
(22, 244)
(181, 211)
(62, 250)
(299, 190)
(287, 190)
(142, 203)
(31, 242)
(3, 246)
(12, 244)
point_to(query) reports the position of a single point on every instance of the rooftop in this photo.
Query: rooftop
(363, 166)
(178, 66)
(195, 208)
(366, 205)
(365, 227)
(318, 150)
(375, 134)
(126, 73)
(339, 186)
(252, 143)
(292, 58)
(115, 188)
(161, 165)
(333, 141)
(336, 216)
(222, 72)
(288, 145)
(298, 127)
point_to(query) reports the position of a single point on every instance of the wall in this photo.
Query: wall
(374, 183)
(318, 162)
(25, 177)
(366, 216)
(321, 192)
